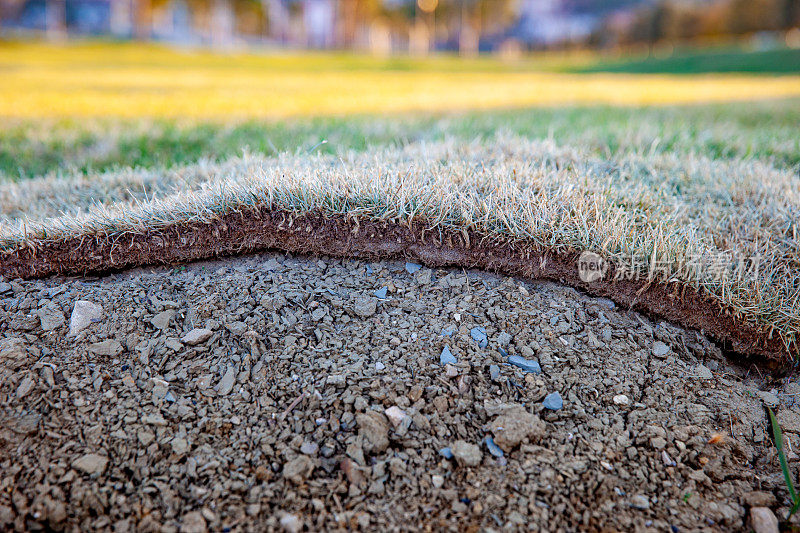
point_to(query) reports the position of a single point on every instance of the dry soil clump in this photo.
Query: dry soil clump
(277, 392)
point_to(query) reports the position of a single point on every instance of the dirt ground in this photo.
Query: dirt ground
(275, 392)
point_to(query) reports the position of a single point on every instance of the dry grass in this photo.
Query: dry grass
(664, 212)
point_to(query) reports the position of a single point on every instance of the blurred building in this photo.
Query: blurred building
(405, 26)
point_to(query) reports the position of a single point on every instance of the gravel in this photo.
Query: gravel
(266, 402)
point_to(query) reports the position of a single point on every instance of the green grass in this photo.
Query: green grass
(691, 61)
(777, 440)
(765, 131)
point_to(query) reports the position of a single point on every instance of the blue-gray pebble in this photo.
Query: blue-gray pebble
(412, 267)
(447, 358)
(478, 334)
(381, 293)
(447, 453)
(494, 449)
(553, 401)
(528, 365)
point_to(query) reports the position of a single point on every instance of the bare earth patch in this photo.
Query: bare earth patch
(276, 392)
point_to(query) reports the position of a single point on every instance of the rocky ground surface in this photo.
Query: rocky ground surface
(275, 392)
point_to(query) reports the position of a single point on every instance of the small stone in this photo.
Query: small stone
(769, 398)
(666, 459)
(24, 387)
(84, 313)
(395, 415)
(553, 401)
(380, 293)
(291, 523)
(494, 372)
(154, 419)
(437, 481)
(336, 380)
(447, 453)
(108, 348)
(162, 319)
(621, 399)
(423, 277)
(365, 306)
(197, 336)
(237, 327)
(128, 380)
(703, 372)
(411, 268)
(51, 317)
(448, 331)
(640, 502)
(514, 426)
(528, 365)
(759, 498)
(179, 446)
(447, 358)
(173, 344)
(466, 454)
(503, 338)
(160, 387)
(493, 448)
(6, 515)
(605, 302)
(660, 349)
(354, 474)
(91, 463)
(379, 366)
(374, 431)
(478, 334)
(4, 287)
(145, 437)
(298, 469)
(309, 448)
(56, 511)
(26, 424)
(225, 385)
(763, 520)
(193, 522)
(49, 376)
(450, 371)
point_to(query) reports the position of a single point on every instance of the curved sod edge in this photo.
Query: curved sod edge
(314, 233)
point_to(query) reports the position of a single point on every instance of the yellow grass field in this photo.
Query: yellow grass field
(126, 81)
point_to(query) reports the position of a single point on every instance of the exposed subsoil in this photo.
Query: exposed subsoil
(277, 392)
(257, 230)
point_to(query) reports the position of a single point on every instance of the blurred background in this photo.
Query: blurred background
(416, 27)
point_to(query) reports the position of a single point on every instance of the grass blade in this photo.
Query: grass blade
(777, 437)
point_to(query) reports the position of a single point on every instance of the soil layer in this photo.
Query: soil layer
(256, 230)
